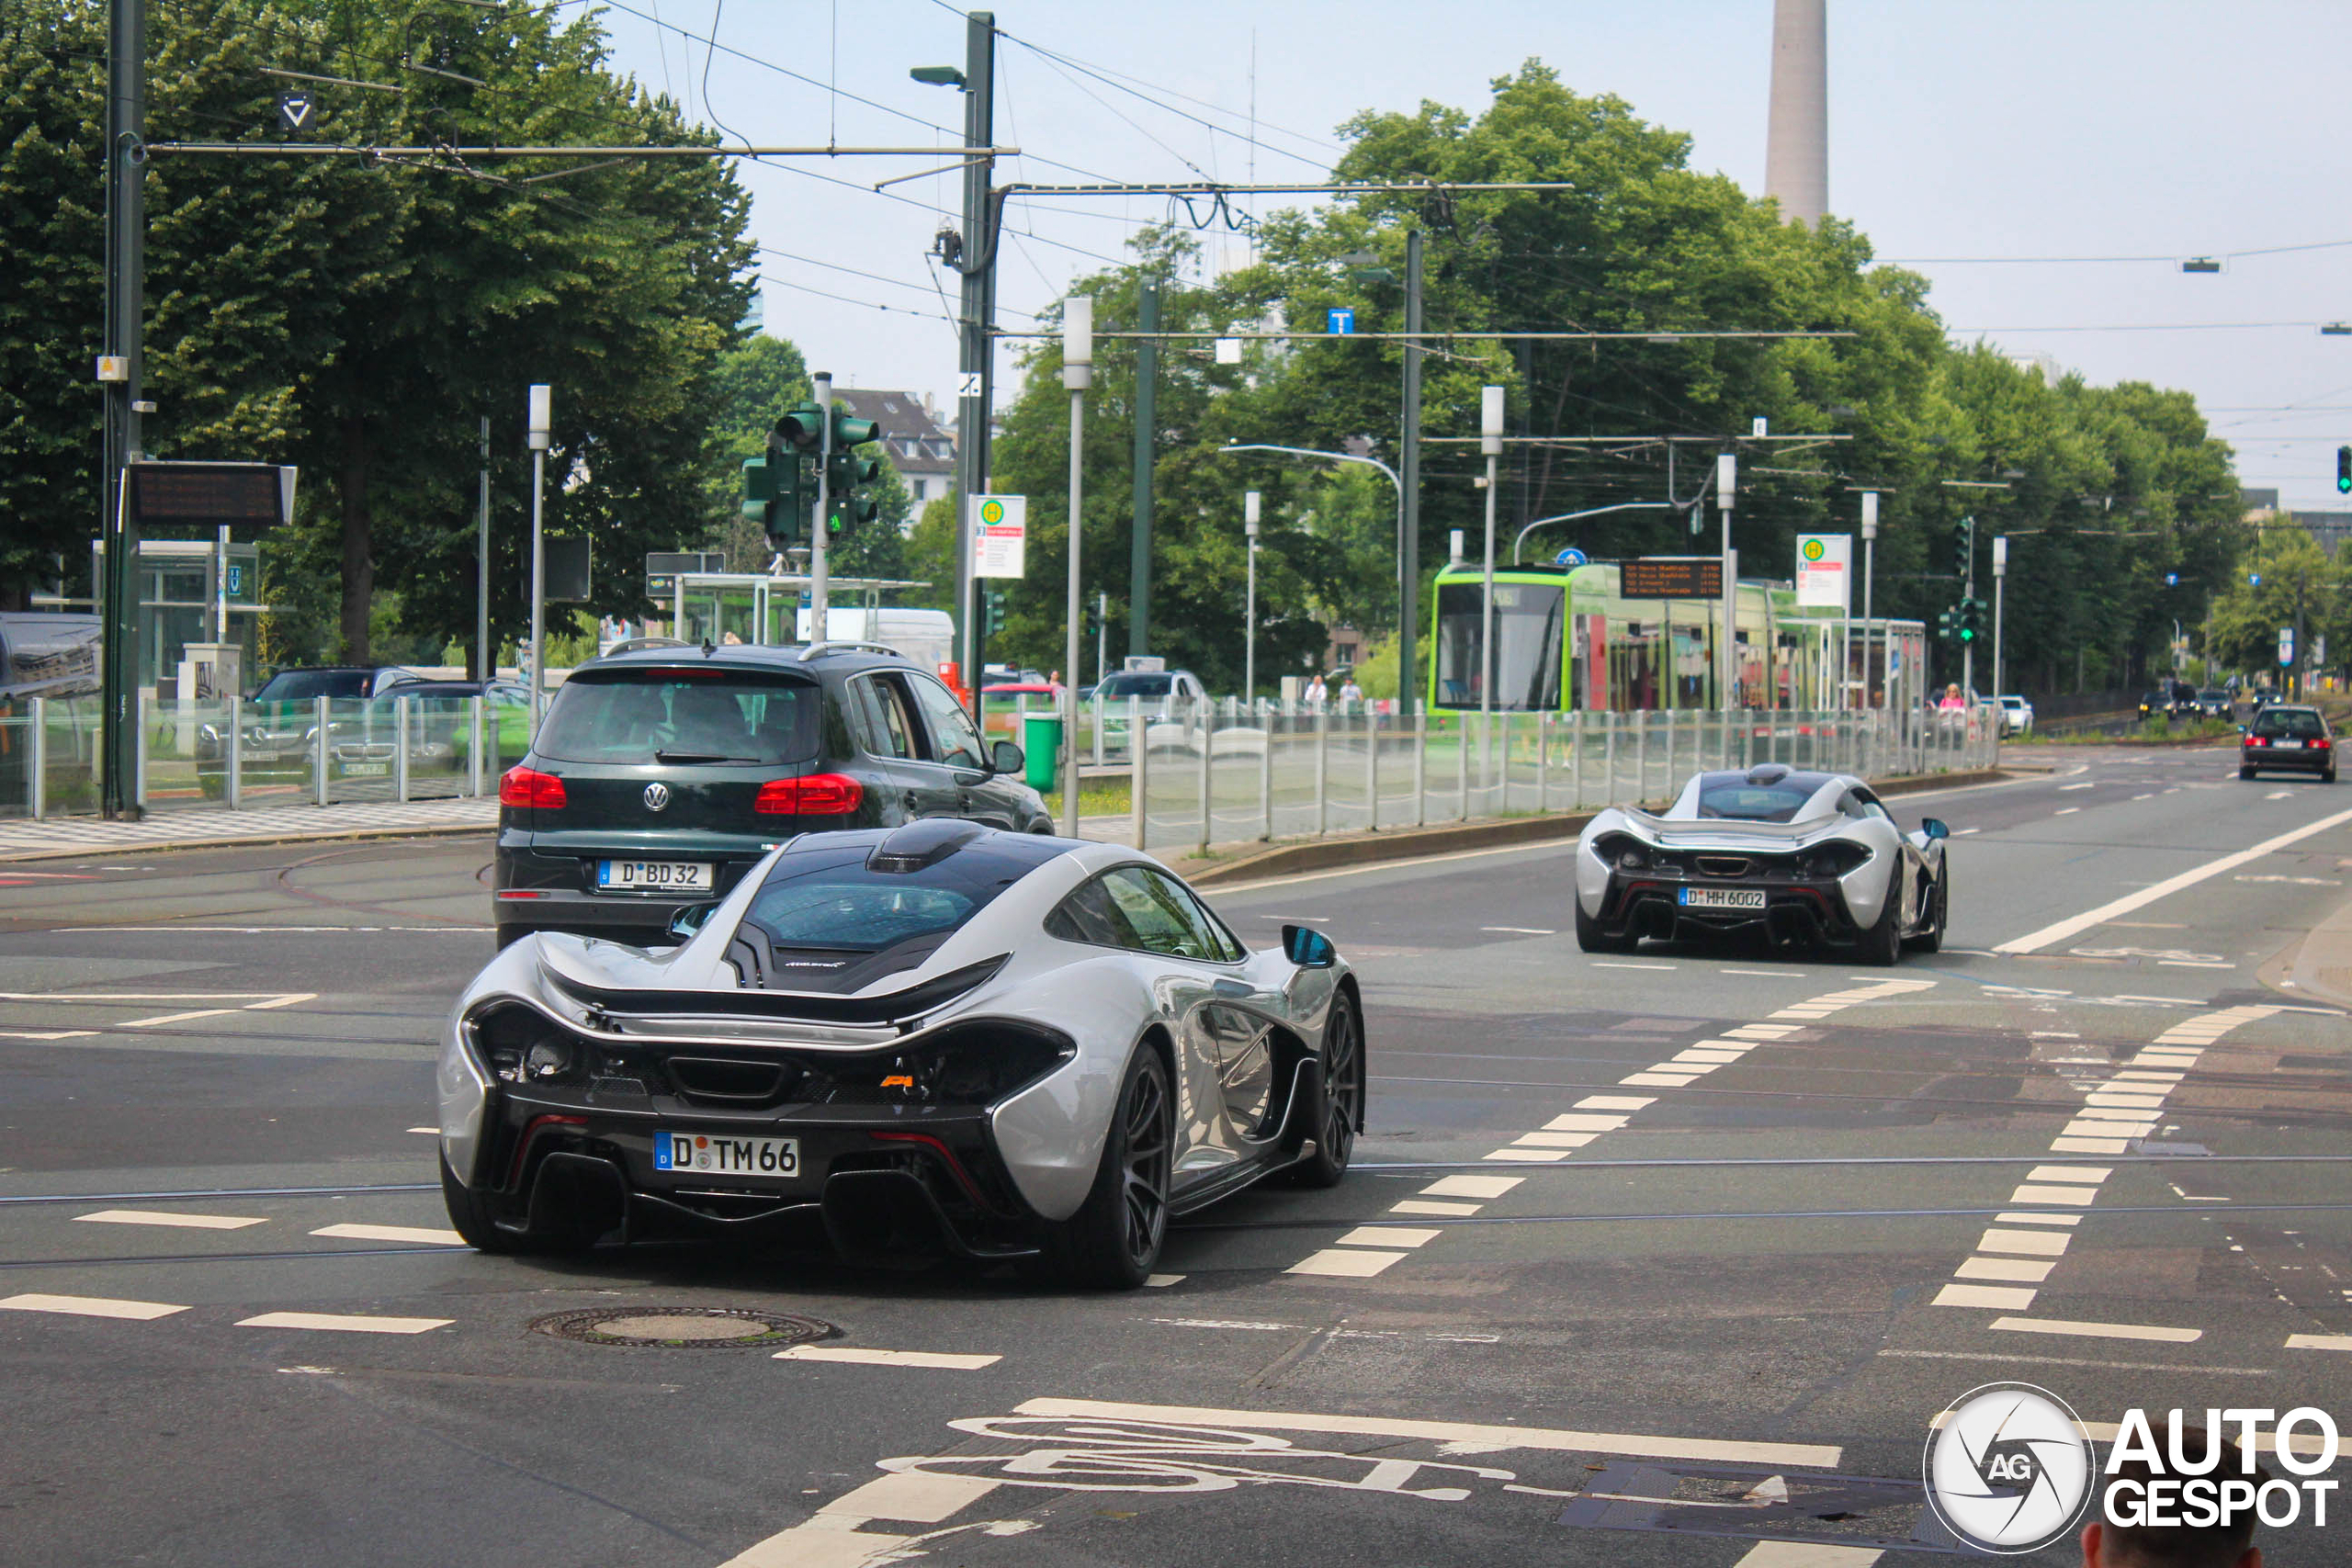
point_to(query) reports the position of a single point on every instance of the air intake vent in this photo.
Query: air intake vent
(1722, 865)
(727, 1077)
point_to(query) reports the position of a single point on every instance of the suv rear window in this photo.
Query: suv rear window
(684, 716)
(2295, 724)
(305, 685)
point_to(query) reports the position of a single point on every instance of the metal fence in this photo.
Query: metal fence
(230, 753)
(1218, 771)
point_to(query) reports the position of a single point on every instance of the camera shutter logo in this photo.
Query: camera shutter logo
(2007, 1468)
(657, 796)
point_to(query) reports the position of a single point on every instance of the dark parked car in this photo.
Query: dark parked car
(2284, 739)
(660, 777)
(280, 721)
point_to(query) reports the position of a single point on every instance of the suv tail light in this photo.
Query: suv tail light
(814, 795)
(531, 789)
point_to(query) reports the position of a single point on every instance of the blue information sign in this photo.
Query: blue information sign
(1342, 318)
(236, 580)
(1570, 556)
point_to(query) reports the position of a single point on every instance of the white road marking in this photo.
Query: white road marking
(2078, 1361)
(1345, 1262)
(1520, 930)
(2015, 1270)
(2080, 1146)
(1614, 1102)
(45, 1033)
(2075, 925)
(2041, 1244)
(1229, 1322)
(429, 1132)
(1161, 1281)
(1576, 1121)
(89, 1306)
(2075, 786)
(1807, 1555)
(1388, 1236)
(2092, 1174)
(345, 1323)
(1471, 1186)
(164, 1217)
(1553, 1140)
(2082, 1197)
(2280, 794)
(1421, 1206)
(1459, 1436)
(1767, 973)
(2037, 1219)
(2098, 1330)
(2002, 1296)
(1602, 964)
(2319, 1342)
(178, 1017)
(1712, 1058)
(1963, 832)
(939, 1360)
(421, 1233)
(1527, 1156)
(1660, 1080)
(2066, 811)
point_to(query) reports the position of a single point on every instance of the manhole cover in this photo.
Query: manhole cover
(683, 1328)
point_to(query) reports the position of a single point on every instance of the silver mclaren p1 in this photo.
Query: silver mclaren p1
(937, 1038)
(1796, 857)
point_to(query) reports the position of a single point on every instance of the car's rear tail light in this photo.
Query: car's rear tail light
(531, 789)
(2258, 740)
(813, 795)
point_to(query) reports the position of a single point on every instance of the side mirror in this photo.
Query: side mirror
(1004, 756)
(690, 919)
(1308, 948)
(1934, 828)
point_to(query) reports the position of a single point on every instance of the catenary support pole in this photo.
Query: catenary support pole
(2000, 574)
(820, 527)
(1147, 417)
(1491, 430)
(1077, 374)
(1250, 503)
(1870, 572)
(1409, 466)
(1727, 691)
(120, 373)
(976, 346)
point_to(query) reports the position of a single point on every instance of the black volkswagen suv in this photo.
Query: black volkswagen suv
(660, 776)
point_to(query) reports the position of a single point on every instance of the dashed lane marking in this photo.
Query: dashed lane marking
(45, 1033)
(423, 1234)
(89, 1306)
(1471, 1186)
(1604, 964)
(2075, 787)
(1421, 1206)
(345, 1323)
(1807, 1555)
(1520, 930)
(2319, 1342)
(429, 1132)
(2066, 811)
(1388, 1236)
(1345, 1262)
(165, 1217)
(938, 1360)
(2098, 1330)
(1161, 1281)
(1230, 1323)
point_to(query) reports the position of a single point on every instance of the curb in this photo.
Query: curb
(184, 846)
(1368, 848)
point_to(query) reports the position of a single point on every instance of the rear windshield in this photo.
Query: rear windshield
(1753, 803)
(836, 904)
(305, 685)
(684, 716)
(2293, 724)
(1140, 684)
(2212, 694)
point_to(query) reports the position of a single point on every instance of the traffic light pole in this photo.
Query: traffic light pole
(976, 313)
(2000, 575)
(818, 530)
(1408, 464)
(126, 123)
(1968, 645)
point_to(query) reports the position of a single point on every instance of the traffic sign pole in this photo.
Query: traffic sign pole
(2000, 574)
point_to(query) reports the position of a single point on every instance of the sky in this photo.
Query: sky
(1977, 142)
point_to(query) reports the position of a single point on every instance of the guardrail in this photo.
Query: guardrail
(1214, 772)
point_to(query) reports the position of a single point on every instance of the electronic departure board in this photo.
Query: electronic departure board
(255, 495)
(1671, 577)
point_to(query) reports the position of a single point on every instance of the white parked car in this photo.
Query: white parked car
(2017, 715)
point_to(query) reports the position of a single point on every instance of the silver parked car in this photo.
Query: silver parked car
(938, 1037)
(1797, 857)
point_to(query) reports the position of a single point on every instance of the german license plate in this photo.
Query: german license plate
(653, 876)
(715, 1154)
(366, 769)
(1722, 897)
(2287, 745)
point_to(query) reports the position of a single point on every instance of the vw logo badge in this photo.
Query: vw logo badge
(657, 796)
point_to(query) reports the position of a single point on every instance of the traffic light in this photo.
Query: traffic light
(849, 477)
(992, 621)
(1970, 621)
(2344, 470)
(1947, 625)
(1964, 539)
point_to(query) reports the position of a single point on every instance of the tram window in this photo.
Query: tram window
(1531, 640)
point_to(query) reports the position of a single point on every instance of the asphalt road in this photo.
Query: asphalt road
(1592, 1286)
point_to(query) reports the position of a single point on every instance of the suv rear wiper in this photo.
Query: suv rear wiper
(698, 757)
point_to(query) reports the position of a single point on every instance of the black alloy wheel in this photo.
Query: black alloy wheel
(1931, 938)
(1882, 943)
(1343, 1097)
(1115, 1238)
(1593, 937)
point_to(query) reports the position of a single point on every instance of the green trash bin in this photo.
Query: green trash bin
(1041, 741)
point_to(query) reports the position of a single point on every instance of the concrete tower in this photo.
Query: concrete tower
(1796, 147)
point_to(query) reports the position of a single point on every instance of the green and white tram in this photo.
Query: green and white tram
(1567, 640)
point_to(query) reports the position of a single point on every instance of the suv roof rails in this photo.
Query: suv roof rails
(814, 649)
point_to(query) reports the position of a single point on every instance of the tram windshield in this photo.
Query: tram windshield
(1530, 641)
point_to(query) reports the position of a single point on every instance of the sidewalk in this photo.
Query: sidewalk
(196, 828)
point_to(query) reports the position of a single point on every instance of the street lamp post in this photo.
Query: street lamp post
(1727, 484)
(1870, 571)
(541, 411)
(1077, 374)
(1490, 443)
(1587, 512)
(1407, 590)
(1249, 609)
(2000, 573)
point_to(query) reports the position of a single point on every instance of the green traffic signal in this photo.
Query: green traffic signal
(758, 491)
(992, 602)
(2344, 470)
